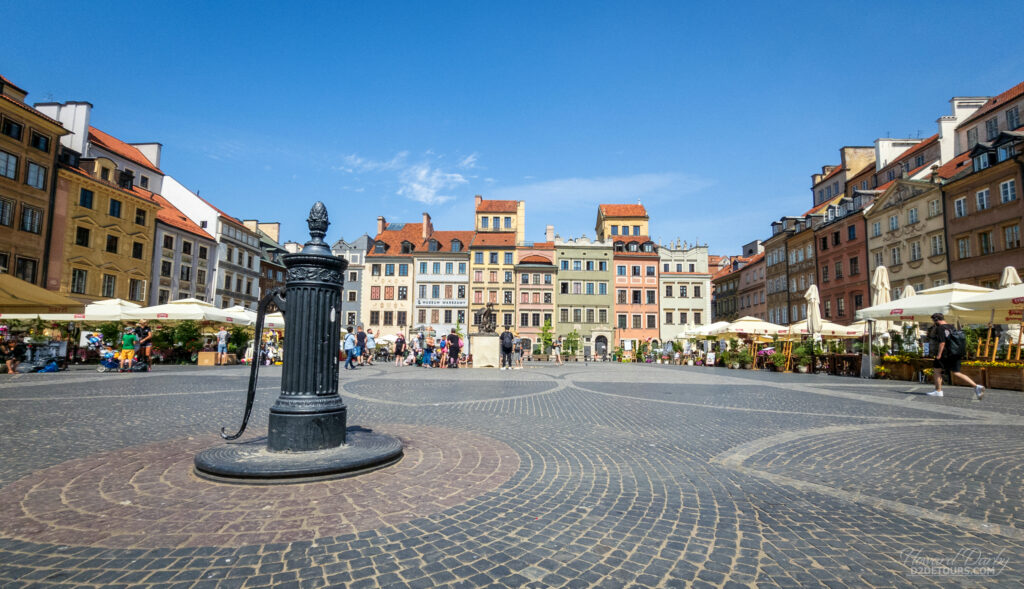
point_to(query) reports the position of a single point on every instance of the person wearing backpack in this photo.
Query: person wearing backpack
(350, 350)
(506, 341)
(951, 348)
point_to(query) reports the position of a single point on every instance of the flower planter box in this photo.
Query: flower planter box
(975, 373)
(899, 370)
(1003, 378)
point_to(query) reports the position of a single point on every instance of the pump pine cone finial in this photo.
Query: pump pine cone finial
(318, 222)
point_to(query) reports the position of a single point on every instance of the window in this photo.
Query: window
(972, 138)
(878, 261)
(960, 207)
(493, 257)
(1012, 118)
(483, 222)
(78, 279)
(577, 265)
(652, 297)
(1008, 191)
(635, 270)
(136, 250)
(82, 236)
(985, 242)
(934, 207)
(840, 306)
(652, 321)
(854, 266)
(682, 291)
(25, 269)
(495, 222)
(407, 248)
(375, 317)
(682, 318)
(828, 308)
(981, 198)
(36, 176)
(650, 270)
(668, 290)
(637, 322)
(12, 129)
(1011, 235)
(140, 219)
(112, 244)
(31, 219)
(478, 258)
(620, 270)
(589, 288)
(8, 165)
(938, 245)
(915, 251)
(201, 276)
(991, 128)
(895, 256)
(894, 223)
(115, 208)
(637, 296)
(696, 291)
(136, 289)
(636, 230)
(963, 248)
(851, 233)
(835, 241)
(186, 273)
(839, 270)
(389, 269)
(374, 293)
(508, 258)
(109, 285)
(6, 212)
(456, 245)
(912, 216)
(615, 229)
(508, 222)
(876, 229)
(85, 198)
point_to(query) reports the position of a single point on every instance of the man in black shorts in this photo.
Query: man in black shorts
(941, 333)
(453, 349)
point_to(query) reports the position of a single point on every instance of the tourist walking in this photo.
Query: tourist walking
(145, 334)
(453, 349)
(506, 342)
(222, 346)
(948, 357)
(351, 350)
(360, 344)
(399, 349)
(556, 350)
(371, 346)
(128, 341)
(517, 352)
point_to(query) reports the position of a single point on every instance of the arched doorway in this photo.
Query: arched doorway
(600, 346)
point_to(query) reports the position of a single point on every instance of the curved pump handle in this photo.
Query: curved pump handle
(273, 296)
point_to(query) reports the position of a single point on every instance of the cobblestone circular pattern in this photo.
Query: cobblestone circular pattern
(148, 497)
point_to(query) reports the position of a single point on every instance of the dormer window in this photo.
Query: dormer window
(407, 247)
(633, 246)
(619, 246)
(380, 247)
(432, 245)
(981, 162)
(456, 245)
(648, 247)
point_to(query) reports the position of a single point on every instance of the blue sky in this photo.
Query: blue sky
(714, 115)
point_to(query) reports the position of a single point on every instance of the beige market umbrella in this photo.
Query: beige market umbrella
(710, 330)
(813, 309)
(274, 321)
(908, 291)
(881, 293)
(1009, 277)
(752, 326)
(943, 299)
(18, 296)
(99, 311)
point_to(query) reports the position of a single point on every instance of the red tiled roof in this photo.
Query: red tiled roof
(115, 145)
(497, 206)
(494, 239)
(636, 210)
(10, 83)
(954, 166)
(543, 245)
(834, 171)
(882, 187)
(444, 239)
(920, 146)
(411, 232)
(755, 259)
(629, 238)
(135, 191)
(995, 102)
(822, 206)
(35, 112)
(535, 260)
(170, 215)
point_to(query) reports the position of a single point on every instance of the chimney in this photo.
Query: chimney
(75, 118)
(150, 150)
(251, 224)
(478, 198)
(428, 228)
(935, 175)
(273, 230)
(549, 233)
(381, 225)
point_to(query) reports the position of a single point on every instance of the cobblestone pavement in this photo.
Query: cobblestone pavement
(574, 476)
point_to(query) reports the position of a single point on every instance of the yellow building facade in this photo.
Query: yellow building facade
(500, 226)
(105, 249)
(29, 141)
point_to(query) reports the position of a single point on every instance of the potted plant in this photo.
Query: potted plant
(779, 361)
(746, 359)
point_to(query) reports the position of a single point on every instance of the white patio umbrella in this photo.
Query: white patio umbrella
(187, 309)
(1005, 305)
(98, 311)
(813, 309)
(1009, 277)
(710, 329)
(827, 330)
(908, 291)
(274, 321)
(940, 299)
(242, 314)
(752, 326)
(881, 293)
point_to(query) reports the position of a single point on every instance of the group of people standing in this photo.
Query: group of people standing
(429, 352)
(359, 347)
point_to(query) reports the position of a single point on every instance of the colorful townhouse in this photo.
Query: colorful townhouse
(535, 274)
(583, 299)
(636, 273)
(499, 227)
(387, 286)
(441, 280)
(685, 284)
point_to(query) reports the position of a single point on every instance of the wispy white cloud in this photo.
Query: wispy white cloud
(468, 162)
(353, 163)
(425, 183)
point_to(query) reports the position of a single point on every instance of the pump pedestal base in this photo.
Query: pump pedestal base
(253, 464)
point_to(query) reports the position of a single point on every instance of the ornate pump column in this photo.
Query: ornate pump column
(307, 438)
